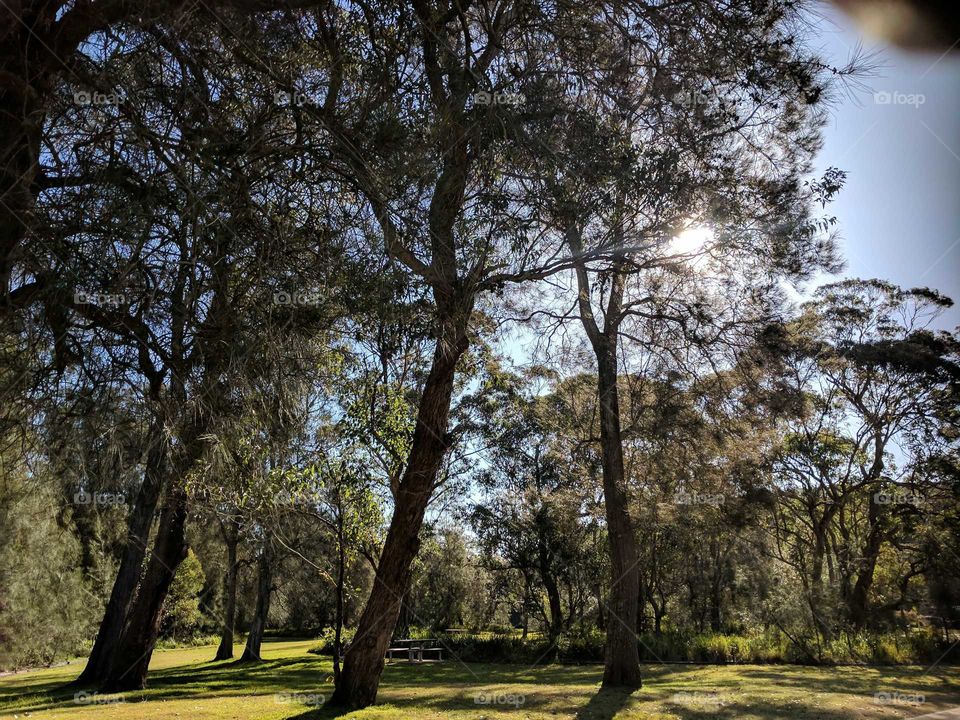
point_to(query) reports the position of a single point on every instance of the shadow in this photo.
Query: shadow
(690, 692)
(606, 704)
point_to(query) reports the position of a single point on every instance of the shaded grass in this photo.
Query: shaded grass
(289, 684)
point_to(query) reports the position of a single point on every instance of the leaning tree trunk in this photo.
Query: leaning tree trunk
(251, 653)
(621, 657)
(363, 661)
(131, 564)
(128, 670)
(231, 539)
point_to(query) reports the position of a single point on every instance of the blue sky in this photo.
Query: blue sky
(899, 213)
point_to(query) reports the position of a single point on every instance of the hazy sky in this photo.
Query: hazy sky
(899, 213)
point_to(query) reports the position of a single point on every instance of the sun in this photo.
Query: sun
(692, 240)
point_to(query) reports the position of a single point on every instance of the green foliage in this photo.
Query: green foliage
(47, 612)
(181, 617)
(325, 640)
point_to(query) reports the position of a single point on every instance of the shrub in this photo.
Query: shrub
(181, 610)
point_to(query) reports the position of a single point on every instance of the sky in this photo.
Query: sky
(899, 141)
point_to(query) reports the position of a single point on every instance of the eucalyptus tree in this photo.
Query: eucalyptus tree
(858, 466)
(535, 514)
(45, 48)
(685, 162)
(174, 255)
(432, 116)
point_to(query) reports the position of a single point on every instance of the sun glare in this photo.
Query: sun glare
(691, 241)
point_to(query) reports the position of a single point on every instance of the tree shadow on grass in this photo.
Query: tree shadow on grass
(605, 704)
(206, 680)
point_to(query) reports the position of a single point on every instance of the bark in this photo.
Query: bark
(251, 653)
(550, 585)
(131, 564)
(341, 578)
(817, 596)
(622, 657)
(364, 659)
(858, 604)
(231, 534)
(128, 670)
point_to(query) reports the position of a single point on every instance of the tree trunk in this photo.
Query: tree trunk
(128, 670)
(716, 586)
(341, 579)
(622, 657)
(817, 596)
(251, 653)
(553, 591)
(364, 659)
(858, 604)
(131, 564)
(231, 539)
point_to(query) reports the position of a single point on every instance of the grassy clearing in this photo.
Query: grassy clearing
(184, 684)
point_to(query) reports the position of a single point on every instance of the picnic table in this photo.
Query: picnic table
(415, 648)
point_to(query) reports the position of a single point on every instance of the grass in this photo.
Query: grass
(183, 683)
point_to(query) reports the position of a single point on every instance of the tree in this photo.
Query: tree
(670, 143)
(856, 463)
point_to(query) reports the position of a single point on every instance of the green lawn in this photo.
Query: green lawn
(184, 684)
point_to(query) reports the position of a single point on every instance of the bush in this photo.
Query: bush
(47, 612)
(181, 617)
(325, 639)
(586, 645)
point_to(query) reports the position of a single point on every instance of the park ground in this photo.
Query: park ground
(291, 683)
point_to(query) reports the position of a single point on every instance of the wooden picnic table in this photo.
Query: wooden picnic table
(415, 648)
